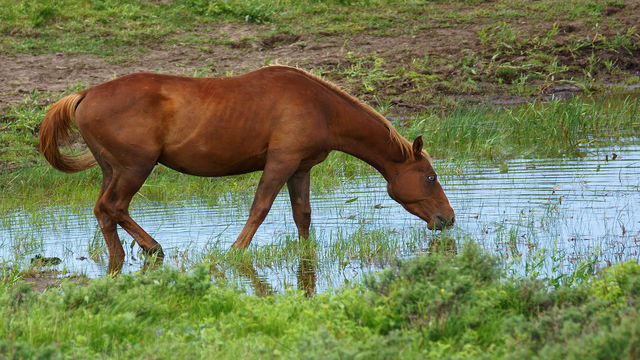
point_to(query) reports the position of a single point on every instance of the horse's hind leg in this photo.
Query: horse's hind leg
(115, 201)
(108, 227)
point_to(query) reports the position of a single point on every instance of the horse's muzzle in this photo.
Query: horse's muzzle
(442, 222)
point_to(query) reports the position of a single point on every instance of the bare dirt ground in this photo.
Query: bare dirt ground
(57, 72)
(54, 73)
(23, 73)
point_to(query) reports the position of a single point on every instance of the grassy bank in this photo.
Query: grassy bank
(435, 306)
(409, 54)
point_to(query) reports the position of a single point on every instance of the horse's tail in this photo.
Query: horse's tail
(56, 130)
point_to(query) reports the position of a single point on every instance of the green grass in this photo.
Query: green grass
(538, 129)
(435, 306)
(53, 25)
(107, 26)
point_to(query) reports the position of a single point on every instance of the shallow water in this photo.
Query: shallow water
(571, 209)
(554, 212)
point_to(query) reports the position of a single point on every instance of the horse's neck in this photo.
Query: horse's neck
(359, 134)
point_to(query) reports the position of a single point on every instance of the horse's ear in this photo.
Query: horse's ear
(417, 146)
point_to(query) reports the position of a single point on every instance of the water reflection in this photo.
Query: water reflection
(307, 271)
(260, 285)
(242, 268)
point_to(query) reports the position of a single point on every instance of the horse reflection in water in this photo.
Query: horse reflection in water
(278, 119)
(305, 274)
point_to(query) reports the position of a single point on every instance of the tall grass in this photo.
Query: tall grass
(539, 129)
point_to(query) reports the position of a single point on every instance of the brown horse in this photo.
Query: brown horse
(278, 119)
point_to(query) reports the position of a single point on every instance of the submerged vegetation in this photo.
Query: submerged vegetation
(434, 306)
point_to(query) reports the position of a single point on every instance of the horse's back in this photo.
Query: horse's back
(214, 126)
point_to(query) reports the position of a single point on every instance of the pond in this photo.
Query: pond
(542, 214)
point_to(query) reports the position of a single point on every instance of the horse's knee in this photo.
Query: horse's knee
(120, 215)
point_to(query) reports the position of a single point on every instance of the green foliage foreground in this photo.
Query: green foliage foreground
(436, 306)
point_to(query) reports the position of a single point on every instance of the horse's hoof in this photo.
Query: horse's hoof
(155, 251)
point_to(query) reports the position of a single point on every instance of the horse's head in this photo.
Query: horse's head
(415, 186)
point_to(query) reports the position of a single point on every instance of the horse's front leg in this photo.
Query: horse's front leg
(276, 172)
(298, 186)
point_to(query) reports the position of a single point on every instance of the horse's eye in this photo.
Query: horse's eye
(431, 178)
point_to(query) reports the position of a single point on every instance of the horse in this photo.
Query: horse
(278, 119)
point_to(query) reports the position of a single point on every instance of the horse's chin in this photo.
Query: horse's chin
(434, 225)
(442, 223)
(433, 222)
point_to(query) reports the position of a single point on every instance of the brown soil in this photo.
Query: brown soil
(48, 279)
(22, 73)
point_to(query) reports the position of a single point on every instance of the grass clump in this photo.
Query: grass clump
(540, 129)
(435, 306)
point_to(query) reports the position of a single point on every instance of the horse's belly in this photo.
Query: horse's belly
(214, 164)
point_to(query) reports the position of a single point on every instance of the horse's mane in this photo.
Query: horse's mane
(405, 146)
